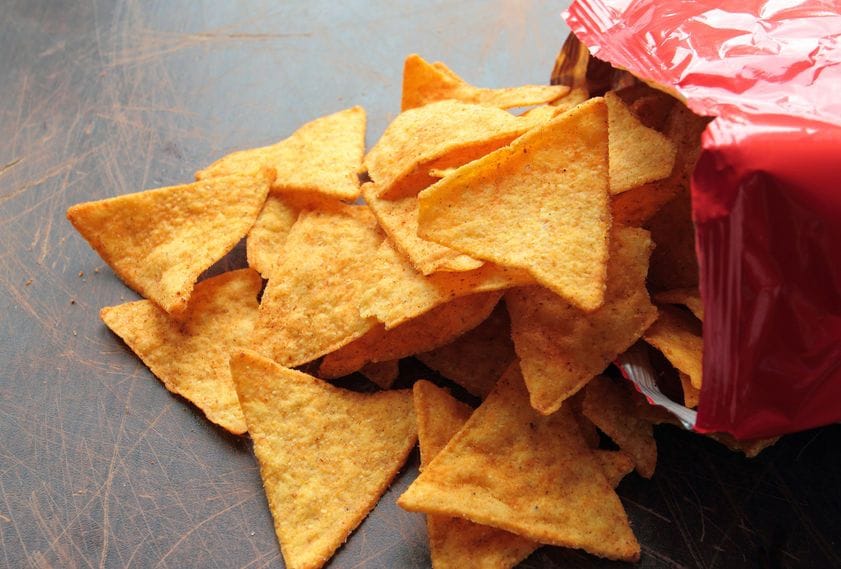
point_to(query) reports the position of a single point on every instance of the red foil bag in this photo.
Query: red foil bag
(766, 191)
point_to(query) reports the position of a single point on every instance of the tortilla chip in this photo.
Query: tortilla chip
(267, 236)
(400, 293)
(540, 204)
(326, 454)
(513, 469)
(310, 306)
(677, 334)
(323, 156)
(638, 154)
(637, 206)
(611, 408)
(749, 447)
(425, 83)
(439, 135)
(559, 346)
(435, 328)
(190, 355)
(399, 219)
(691, 395)
(689, 297)
(615, 464)
(673, 262)
(159, 241)
(454, 542)
(383, 374)
(477, 359)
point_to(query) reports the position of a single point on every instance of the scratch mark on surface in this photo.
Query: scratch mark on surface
(663, 557)
(647, 510)
(5, 519)
(668, 494)
(820, 540)
(10, 165)
(200, 524)
(153, 44)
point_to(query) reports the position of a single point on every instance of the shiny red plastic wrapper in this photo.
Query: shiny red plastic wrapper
(766, 191)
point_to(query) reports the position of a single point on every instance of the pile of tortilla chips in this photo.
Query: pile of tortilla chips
(515, 253)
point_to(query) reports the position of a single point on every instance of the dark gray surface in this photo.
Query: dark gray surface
(99, 465)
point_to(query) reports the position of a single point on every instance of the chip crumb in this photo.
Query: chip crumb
(72, 301)
(81, 274)
(28, 282)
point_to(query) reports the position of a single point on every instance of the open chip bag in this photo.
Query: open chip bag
(764, 199)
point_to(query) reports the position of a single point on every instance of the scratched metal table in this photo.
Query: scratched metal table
(99, 465)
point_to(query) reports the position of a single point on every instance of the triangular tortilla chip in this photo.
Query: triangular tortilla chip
(399, 219)
(160, 241)
(540, 204)
(437, 136)
(400, 293)
(326, 454)
(516, 470)
(426, 332)
(638, 154)
(477, 359)
(425, 83)
(611, 408)
(560, 347)
(310, 306)
(323, 156)
(190, 355)
(635, 207)
(678, 335)
(689, 297)
(454, 542)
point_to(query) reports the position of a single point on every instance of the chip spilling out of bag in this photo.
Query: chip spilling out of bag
(555, 210)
